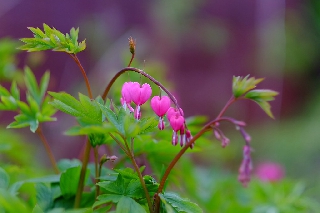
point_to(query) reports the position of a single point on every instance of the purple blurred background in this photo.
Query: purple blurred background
(200, 44)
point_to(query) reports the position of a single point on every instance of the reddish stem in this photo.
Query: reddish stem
(75, 58)
(184, 149)
(132, 69)
(48, 150)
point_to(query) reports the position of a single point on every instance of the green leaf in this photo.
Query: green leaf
(51, 38)
(15, 92)
(115, 120)
(65, 164)
(4, 179)
(91, 107)
(107, 198)
(37, 209)
(44, 82)
(32, 85)
(148, 124)
(261, 97)
(67, 104)
(69, 181)
(128, 205)
(44, 196)
(116, 187)
(174, 201)
(242, 85)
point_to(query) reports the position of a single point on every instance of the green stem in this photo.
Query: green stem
(82, 174)
(88, 145)
(96, 163)
(184, 149)
(48, 149)
(136, 167)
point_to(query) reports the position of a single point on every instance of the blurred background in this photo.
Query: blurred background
(198, 45)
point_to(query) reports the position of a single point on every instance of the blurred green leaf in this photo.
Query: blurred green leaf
(4, 179)
(128, 205)
(69, 181)
(44, 196)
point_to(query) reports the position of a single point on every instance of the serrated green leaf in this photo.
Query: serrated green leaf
(9, 102)
(107, 198)
(4, 179)
(4, 91)
(114, 119)
(15, 92)
(147, 125)
(32, 85)
(48, 31)
(53, 39)
(91, 107)
(44, 82)
(261, 94)
(179, 204)
(241, 85)
(44, 196)
(116, 187)
(128, 205)
(24, 108)
(67, 104)
(69, 181)
(265, 106)
(130, 125)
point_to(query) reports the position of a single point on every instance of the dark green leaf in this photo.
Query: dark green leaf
(107, 198)
(44, 196)
(69, 181)
(67, 104)
(128, 205)
(179, 204)
(116, 187)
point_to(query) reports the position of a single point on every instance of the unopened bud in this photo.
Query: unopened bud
(132, 45)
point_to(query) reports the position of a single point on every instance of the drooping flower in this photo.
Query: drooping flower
(269, 171)
(188, 138)
(176, 122)
(139, 95)
(126, 95)
(245, 167)
(160, 106)
(173, 111)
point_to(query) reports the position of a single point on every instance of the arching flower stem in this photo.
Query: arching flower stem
(206, 128)
(132, 69)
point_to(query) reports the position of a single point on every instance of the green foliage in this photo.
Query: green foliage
(52, 39)
(174, 203)
(244, 87)
(36, 109)
(241, 85)
(8, 67)
(126, 188)
(261, 97)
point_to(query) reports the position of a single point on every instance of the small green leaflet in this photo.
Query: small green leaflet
(53, 39)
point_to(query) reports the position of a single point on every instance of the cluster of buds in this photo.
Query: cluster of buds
(133, 92)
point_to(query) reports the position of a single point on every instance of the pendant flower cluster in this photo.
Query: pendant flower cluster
(139, 94)
(133, 92)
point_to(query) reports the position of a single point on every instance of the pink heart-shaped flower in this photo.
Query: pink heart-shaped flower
(140, 95)
(160, 105)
